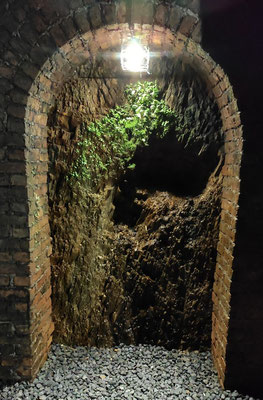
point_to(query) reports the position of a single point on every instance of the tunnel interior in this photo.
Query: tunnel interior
(134, 253)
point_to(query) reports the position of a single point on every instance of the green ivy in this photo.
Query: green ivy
(108, 145)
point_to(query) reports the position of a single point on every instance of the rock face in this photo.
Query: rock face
(79, 218)
(168, 258)
(133, 260)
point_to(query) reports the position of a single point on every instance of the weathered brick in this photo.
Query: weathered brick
(2, 154)
(161, 15)
(69, 28)
(24, 372)
(47, 44)
(230, 195)
(45, 82)
(27, 32)
(19, 207)
(18, 180)
(16, 111)
(74, 4)
(9, 362)
(109, 13)
(21, 257)
(233, 158)
(176, 15)
(29, 69)
(4, 280)
(19, 46)
(42, 179)
(19, 13)
(223, 100)
(23, 81)
(11, 58)
(20, 233)
(122, 10)
(39, 23)
(18, 96)
(197, 33)
(58, 35)
(187, 25)
(14, 167)
(231, 170)
(22, 281)
(13, 293)
(5, 257)
(10, 24)
(81, 20)
(227, 231)
(37, 56)
(6, 72)
(4, 35)
(229, 206)
(232, 122)
(194, 6)
(21, 307)
(40, 119)
(5, 85)
(95, 16)
(4, 180)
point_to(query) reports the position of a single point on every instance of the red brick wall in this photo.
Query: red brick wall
(57, 39)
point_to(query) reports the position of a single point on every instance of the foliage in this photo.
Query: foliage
(108, 144)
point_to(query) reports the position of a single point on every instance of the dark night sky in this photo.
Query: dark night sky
(233, 35)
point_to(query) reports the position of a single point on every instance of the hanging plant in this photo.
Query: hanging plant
(108, 145)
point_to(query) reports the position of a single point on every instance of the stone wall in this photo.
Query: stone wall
(41, 45)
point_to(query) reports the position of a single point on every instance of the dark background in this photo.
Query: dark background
(233, 36)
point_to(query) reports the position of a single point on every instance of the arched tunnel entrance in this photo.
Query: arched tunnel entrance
(176, 196)
(200, 192)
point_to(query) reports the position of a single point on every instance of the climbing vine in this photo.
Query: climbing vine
(107, 145)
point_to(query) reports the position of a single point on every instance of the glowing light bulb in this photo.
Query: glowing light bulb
(135, 57)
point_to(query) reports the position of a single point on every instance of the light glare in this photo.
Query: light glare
(135, 57)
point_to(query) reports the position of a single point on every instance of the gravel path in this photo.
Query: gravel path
(122, 373)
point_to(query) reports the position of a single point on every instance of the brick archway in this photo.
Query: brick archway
(30, 291)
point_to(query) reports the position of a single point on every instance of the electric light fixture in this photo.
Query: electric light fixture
(135, 57)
